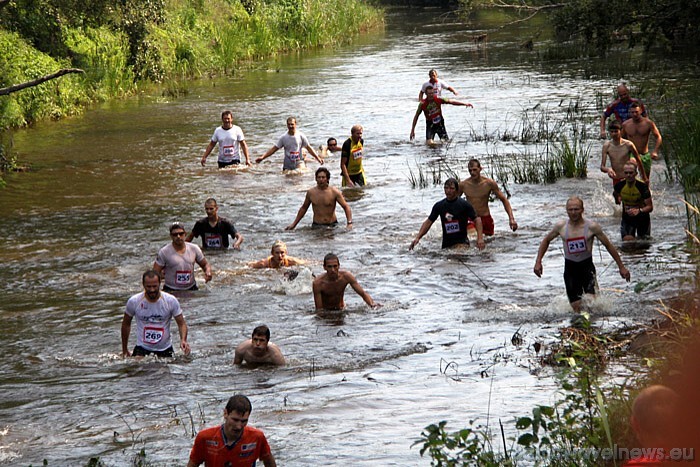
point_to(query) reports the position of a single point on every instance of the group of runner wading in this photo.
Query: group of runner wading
(234, 443)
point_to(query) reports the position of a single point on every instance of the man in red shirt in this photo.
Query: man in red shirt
(234, 443)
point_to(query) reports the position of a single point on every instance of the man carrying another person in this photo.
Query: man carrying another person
(636, 204)
(153, 310)
(258, 349)
(215, 230)
(323, 198)
(478, 189)
(431, 107)
(176, 260)
(231, 142)
(329, 288)
(454, 213)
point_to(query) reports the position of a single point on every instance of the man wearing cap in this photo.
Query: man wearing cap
(175, 262)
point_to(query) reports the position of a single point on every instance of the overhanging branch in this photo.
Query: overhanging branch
(38, 81)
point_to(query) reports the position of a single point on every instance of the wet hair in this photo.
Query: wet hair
(355, 128)
(177, 225)
(323, 169)
(328, 142)
(329, 257)
(239, 403)
(614, 125)
(474, 162)
(452, 181)
(150, 273)
(429, 87)
(278, 244)
(262, 330)
(291, 119)
(211, 201)
(635, 105)
(575, 198)
(226, 112)
(433, 70)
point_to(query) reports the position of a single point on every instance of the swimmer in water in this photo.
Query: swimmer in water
(278, 258)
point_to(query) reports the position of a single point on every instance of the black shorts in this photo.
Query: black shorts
(141, 352)
(579, 278)
(171, 290)
(331, 224)
(432, 129)
(637, 226)
(358, 179)
(226, 164)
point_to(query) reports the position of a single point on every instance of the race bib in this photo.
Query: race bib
(452, 227)
(357, 154)
(437, 119)
(230, 154)
(183, 277)
(576, 245)
(213, 241)
(152, 334)
(294, 156)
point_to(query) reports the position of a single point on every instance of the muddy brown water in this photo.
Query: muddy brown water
(78, 230)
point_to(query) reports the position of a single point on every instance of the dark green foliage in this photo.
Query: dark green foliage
(601, 24)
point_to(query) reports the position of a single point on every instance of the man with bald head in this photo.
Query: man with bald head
(620, 107)
(654, 416)
(578, 234)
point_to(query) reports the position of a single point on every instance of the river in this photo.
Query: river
(80, 228)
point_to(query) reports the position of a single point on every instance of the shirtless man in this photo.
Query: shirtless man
(258, 349)
(294, 142)
(477, 189)
(577, 235)
(619, 150)
(278, 258)
(329, 288)
(638, 129)
(323, 198)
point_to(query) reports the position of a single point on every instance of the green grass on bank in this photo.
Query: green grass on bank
(176, 41)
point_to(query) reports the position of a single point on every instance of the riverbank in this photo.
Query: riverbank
(161, 43)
